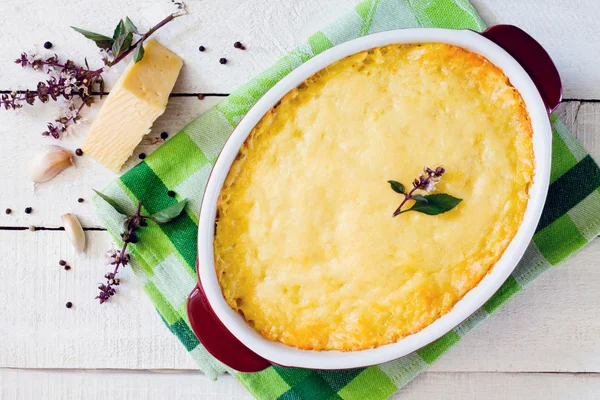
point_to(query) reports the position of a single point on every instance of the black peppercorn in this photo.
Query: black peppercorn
(67, 267)
(8, 211)
(79, 152)
(164, 135)
(69, 304)
(223, 60)
(28, 210)
(142, 156)
(201, 48)
(237, 45)
(48, 45)
(62, 263)
(80, 200)
(171, 193)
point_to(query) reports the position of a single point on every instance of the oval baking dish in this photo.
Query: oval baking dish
(228, 337)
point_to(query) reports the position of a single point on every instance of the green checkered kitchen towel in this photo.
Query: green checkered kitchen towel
(165, 256)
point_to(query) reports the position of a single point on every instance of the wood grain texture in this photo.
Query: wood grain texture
(16, 384)
(123, 385)
(38, 331)
(543, 344)
(501, 386)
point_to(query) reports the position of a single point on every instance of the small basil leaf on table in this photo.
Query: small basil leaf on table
(435, 204)
(104, 42)
(130, 26)
(168, 214)
(397, 187)
(119, 30)
(111, 202)
(121, 44)
(139, 52)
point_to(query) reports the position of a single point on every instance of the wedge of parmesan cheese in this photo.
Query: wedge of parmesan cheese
(138, 98)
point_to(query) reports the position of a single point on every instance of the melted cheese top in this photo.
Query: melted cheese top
(306, 248)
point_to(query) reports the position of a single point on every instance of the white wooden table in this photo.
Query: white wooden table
(544, 344)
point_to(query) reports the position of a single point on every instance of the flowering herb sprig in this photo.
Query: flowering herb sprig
(75, 84)
(66, 80)
(120, 258)
(430, 204)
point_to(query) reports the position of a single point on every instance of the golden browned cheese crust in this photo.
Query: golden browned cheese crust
(306, 248)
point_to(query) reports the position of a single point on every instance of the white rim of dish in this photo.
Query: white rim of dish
(281, 354)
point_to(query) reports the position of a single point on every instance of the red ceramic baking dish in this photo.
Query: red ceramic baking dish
(226, 335)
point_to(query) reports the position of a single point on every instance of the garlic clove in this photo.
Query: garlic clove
(74, 231)
(49, 163)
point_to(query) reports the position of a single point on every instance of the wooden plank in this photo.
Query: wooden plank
(128, 385)
(497, 386)
(16, 384)
(38, 331)
(270, 29)
(551, 326)
(60, 195)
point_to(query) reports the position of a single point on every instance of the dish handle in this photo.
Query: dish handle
(217, 339)
(532, 57)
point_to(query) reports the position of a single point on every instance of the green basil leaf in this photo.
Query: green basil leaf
(111, 202)
(420, 198)
(104, 42)
(139, 52)
(119, 30)
(121, 44)
(397, 187)
(436, 204)
(130, 26)
(168, 214)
